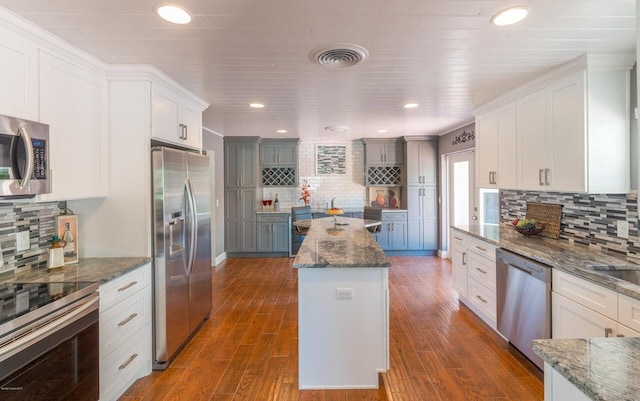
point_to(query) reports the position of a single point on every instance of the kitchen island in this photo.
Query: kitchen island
(343, 307)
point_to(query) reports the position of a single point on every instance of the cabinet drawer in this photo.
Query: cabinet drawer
(116, 290)
(482, 298)
(123, 366)
(629, 312)
(391, 216)
(458, 239)
(271, 218)
(482, 270)
(590, 295)
(482, 248)
(125, 318)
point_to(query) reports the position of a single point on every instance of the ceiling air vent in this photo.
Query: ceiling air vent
(338, 55)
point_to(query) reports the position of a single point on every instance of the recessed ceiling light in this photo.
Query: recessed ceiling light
(382, 131)
(281, 131)
(510, 16)
(256, 105)
(175, 14)
(411, 105)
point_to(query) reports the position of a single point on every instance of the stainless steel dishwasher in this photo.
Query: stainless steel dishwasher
(523, 289)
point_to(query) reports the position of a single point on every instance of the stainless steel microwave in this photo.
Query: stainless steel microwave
(24, 158)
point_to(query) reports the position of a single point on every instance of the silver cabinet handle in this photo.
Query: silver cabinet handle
(481, 248)
(608, 332)
(464, 258)
(241, 194)
(126, 287)
(186, 132)
(540, 176)
(128, 361)
(620, 335)
(241, 181)
(481, 271)
(127, 320)
(546, 176)
(458, 238)
(481, 299)
(419, 179)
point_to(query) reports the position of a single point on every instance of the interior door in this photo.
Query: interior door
(462, 202)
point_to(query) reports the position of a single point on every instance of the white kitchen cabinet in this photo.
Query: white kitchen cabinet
(572, 320)
(591, 295)
(73, 101)
(629, 313)
(558, 388)
(18, 77)
(175, 119)
(459, 263)
(125, 331)
(532, 141)
(496, 162)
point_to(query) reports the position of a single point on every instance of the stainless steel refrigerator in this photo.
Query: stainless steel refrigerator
(182, 249)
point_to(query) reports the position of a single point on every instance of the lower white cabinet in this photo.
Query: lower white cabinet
(125, 331)
(459, 262)
(557, 388)
(572, 320)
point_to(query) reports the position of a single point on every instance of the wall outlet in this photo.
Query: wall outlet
(22, 241)
(344, 293)
(623, 229)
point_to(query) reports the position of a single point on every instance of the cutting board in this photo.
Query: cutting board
(548, 214)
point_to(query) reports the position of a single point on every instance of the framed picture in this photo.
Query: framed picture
(67, 229)
(331, 159)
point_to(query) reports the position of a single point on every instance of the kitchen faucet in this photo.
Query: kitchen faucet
(332, 202)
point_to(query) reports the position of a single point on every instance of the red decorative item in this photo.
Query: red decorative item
(305, 195)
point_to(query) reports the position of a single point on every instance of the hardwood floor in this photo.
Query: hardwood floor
(248, 349)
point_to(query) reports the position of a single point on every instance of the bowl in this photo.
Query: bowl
(533, 231)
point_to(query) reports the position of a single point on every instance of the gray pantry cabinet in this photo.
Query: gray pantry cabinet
(241, 162)
(393, 233)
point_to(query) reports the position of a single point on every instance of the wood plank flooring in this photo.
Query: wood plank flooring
(248, 349)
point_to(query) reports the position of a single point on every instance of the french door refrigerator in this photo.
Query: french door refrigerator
(182, 249)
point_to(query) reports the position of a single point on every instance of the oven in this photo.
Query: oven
(49, 337)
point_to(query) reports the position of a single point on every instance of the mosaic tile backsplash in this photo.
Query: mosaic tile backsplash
(587, 219)
(37, 218)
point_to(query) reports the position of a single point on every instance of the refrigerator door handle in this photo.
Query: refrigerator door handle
(193, 224)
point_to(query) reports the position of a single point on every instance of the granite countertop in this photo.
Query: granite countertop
(283, 210)
(328, 245)
(605, 369)
(99, 270)
(559, 254)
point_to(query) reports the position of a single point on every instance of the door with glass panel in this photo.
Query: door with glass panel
(462, 210)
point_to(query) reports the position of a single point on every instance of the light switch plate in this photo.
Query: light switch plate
(344, 293)
(623, 229)
(22, 241)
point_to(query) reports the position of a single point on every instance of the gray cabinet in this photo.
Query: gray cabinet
(383, 152)
(272, 233)
(393, 233)
(422, 193)
(241, 163)
(421, 161)
(279, 152)
(240, 222)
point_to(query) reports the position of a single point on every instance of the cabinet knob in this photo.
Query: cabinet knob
(608, 332)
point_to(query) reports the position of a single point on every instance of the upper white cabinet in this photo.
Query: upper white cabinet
(496, 148)
(175, 119)
(571, 130)
(18, 77)
(73, 101)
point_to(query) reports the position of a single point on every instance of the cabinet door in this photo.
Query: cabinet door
(287, 154)
(572, 320)
(384, 237)
(459, 270)
(413, 174)
(232, 164)
(240, 224)
(415, 218)
(280, 235)
(486, 150)
(374, 153)
(249, 166)
(430, 218)
(73, 101)
(428, 162)
(264, 237)
(393, 153)
(398, 235)
(191, 118)
(165, 115)
(268, 154)
(506, 176)
(566, 111)
(18, 77)
(532, 141)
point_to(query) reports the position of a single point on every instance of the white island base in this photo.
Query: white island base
(343, 343)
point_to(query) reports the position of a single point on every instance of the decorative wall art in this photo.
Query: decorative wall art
(331, 159)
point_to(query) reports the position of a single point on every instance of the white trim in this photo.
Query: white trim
(212, 131)
(444, 254)
(220, 258)
(469, 122)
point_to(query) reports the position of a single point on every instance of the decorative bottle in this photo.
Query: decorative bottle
(276, 204)
(69, 241)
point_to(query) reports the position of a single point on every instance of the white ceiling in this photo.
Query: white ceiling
(442, 54)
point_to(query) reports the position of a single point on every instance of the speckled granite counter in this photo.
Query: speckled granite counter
(605, 369)
(100, 270)
(328, 245)
(559, 254)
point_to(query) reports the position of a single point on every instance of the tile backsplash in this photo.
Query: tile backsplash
(588, 219)
(37, 218)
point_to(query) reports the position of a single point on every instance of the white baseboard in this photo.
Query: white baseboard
(220, 258)
(444, 254)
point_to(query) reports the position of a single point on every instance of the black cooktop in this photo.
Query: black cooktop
(17, 299)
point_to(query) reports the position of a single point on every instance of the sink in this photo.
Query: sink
(629, 273)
